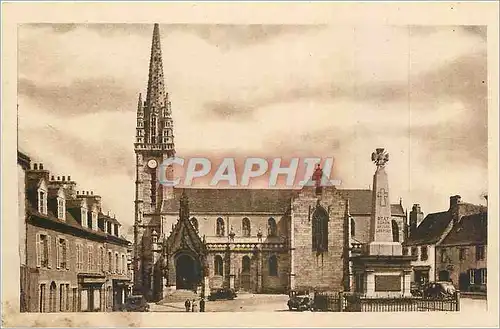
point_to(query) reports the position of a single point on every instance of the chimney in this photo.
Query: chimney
(454, 202)
(416, 217)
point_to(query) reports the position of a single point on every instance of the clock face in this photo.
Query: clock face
(152, 163)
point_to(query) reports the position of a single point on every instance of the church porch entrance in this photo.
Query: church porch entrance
(188, 274)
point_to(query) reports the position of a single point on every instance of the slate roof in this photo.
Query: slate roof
(233, 200)
(397, 210)
(472, 229)
(360, 201)
(262, 200)
(431, 229)
(70, 221)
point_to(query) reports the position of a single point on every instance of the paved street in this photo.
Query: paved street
(277, 303)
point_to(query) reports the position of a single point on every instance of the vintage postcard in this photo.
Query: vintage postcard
(312, 161)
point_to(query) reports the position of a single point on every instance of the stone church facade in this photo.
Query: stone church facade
(256, 240)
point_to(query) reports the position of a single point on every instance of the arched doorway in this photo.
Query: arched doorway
(187, 272)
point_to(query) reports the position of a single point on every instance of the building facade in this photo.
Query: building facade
(427, 235)
(461, 256)
(72, 255)
(259, 240)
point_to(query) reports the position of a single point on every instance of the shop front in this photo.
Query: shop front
(90, 290)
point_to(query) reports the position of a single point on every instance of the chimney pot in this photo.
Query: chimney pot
(69, 178)
(63, 178)
(35, 166)
(41, 166)
(91, 192)
(454, 200)
(58, 178)
(52, 178)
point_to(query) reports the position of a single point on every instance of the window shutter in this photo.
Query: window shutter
(66, 257)
(99, 260)
(58, 253)
(49, 251)
(38, 251)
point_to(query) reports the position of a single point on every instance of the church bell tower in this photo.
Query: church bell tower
(154, 144)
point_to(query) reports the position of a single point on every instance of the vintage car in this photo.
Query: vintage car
(439, 290)
(134, 303)
(222, 293)
(300, 303)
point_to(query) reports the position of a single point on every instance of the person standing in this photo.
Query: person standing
(187, 305)
(193, 306)
(202, 305)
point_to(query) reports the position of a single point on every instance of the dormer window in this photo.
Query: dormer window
(42, 198)
(94, 221)
(61, 207)
(84, 217)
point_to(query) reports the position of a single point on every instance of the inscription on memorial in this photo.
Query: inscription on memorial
(387, 283)
(383, 225)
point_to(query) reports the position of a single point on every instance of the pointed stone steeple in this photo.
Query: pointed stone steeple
(154, 114)
(156, 97)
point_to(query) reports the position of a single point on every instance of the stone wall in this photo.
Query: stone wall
(318, 271)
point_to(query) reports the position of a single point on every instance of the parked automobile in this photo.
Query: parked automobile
(300, 303)
(439, 289)
(222, 293)
(134, 303)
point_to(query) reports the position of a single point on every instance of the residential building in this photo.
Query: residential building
(72, 256)
(426, 234)
(461, 256)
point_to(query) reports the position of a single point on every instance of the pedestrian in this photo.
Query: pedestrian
(202, 305)
(193, 306)
(187, 305)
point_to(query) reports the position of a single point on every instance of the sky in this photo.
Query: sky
(263, 90)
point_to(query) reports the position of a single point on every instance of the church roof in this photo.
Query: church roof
(262, 200)
(360, 201)
(472, 229)
(431, 229)
(233, 200)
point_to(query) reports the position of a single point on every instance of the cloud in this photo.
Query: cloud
(266, 90)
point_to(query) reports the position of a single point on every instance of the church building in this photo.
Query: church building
(255, 240)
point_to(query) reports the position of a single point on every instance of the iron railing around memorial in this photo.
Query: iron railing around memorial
(353, 302)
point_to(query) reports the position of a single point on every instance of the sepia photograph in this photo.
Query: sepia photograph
(308, 169)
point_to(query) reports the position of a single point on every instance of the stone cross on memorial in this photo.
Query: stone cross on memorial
(380, 225)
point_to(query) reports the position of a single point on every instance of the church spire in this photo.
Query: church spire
(155, 97)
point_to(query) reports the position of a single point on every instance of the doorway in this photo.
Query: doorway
(52, 297)
(187, 272)
(444, 276)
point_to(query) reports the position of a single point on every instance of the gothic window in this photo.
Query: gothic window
(245, 225)
(320, 230)
(245, 264)
(273, 266)
(353, 227)
(395, 231)
(218, 265)
(220, 227)
(194, 222)
(271, 227)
